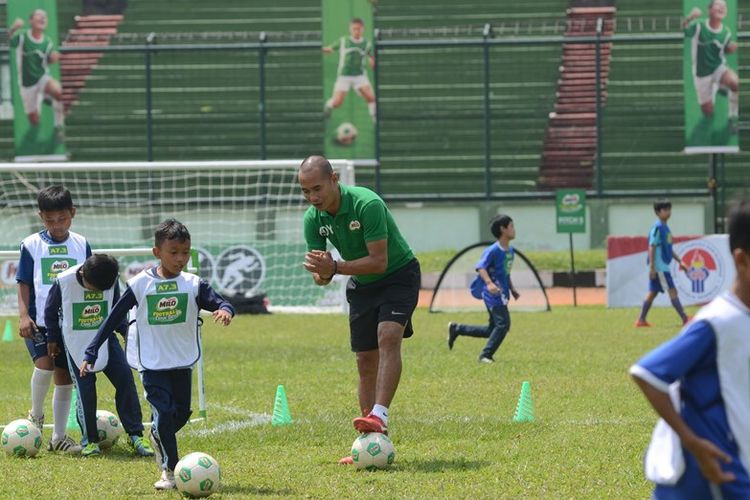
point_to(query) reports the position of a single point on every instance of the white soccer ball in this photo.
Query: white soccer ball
(108, 428)
(22, 438)
(373, 451)
(346, 133)
(197, 475)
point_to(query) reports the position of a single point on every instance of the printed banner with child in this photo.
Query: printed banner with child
(38, 111)
(711, 84)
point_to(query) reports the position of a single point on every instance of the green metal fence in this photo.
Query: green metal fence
(458, 118)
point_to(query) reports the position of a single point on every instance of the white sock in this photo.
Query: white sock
(734, 103)
(59, 112)
(329, 104)
(40, 382)
(61, 409)
(381, 412)
(371, 108)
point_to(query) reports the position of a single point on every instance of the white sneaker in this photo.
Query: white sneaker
(65, 444)
(166, 482)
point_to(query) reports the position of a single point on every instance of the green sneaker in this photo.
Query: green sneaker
(91, 450)
(141, 446)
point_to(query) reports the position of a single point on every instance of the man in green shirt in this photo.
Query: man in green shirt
(711, 41)
(355, 54)
(34, 52)
(383, 288)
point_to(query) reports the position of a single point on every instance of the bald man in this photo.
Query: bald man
(384, 282)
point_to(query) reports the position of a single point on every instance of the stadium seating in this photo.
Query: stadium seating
(570, 143)
(205, 103)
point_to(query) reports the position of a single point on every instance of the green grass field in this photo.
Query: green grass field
(451, 422)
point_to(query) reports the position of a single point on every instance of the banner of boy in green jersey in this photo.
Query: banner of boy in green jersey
(710, 76)
(349, 94)
(37, 95)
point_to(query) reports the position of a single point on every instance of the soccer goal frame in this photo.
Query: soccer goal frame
(245, 218)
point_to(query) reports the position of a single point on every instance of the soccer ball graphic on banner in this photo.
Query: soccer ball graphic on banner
(108, 428)
(197, 475)
(373, 451)
(346, 133)
(21, 438)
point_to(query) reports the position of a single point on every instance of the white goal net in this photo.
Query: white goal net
(245, 220)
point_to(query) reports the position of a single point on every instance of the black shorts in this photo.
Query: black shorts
(37, 347)
(393, 298)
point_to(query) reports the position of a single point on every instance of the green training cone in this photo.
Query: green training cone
(8, 333)
(525, 406)
(72, 424)
(281, 415)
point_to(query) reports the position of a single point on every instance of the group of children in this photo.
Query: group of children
(70, 306)
(494, 286)
(698, 382)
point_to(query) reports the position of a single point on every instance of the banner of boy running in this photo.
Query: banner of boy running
(35, 75)
(348, 63)
(710, 76)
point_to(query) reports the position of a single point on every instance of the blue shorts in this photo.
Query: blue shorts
(661, 283)
(37, 347)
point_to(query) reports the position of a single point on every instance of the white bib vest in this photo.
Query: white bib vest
(730, 320)
(166, 333)
(83, 312)
(50, 259)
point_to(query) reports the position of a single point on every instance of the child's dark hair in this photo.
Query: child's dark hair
(498, 224)
(171, 229)
(739, 226)
(357, 20)
(53, 198)
(100, 270)
(661, 204)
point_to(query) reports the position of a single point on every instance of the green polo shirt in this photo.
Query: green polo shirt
(362, 218)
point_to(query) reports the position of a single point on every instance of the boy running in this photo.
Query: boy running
(493, 285)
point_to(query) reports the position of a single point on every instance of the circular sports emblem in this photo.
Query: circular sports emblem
(240, 270)
(706, 273)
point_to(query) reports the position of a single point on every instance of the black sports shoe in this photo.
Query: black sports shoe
(452, 335)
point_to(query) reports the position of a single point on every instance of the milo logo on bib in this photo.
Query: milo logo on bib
(52, 266)
(167, 308)
(89, 315)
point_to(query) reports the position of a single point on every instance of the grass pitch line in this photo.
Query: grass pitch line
(254, 420)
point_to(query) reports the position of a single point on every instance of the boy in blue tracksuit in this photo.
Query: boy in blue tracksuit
(493, 285)
(166, 338)
(77, 304)
(660, 255)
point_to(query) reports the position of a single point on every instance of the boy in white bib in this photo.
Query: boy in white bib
(166, 340)
(701, 447)
(43, 256)
(77, 305)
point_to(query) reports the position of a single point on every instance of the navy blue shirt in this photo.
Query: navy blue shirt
(53, 310)
(207, 299)
(25, 270)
